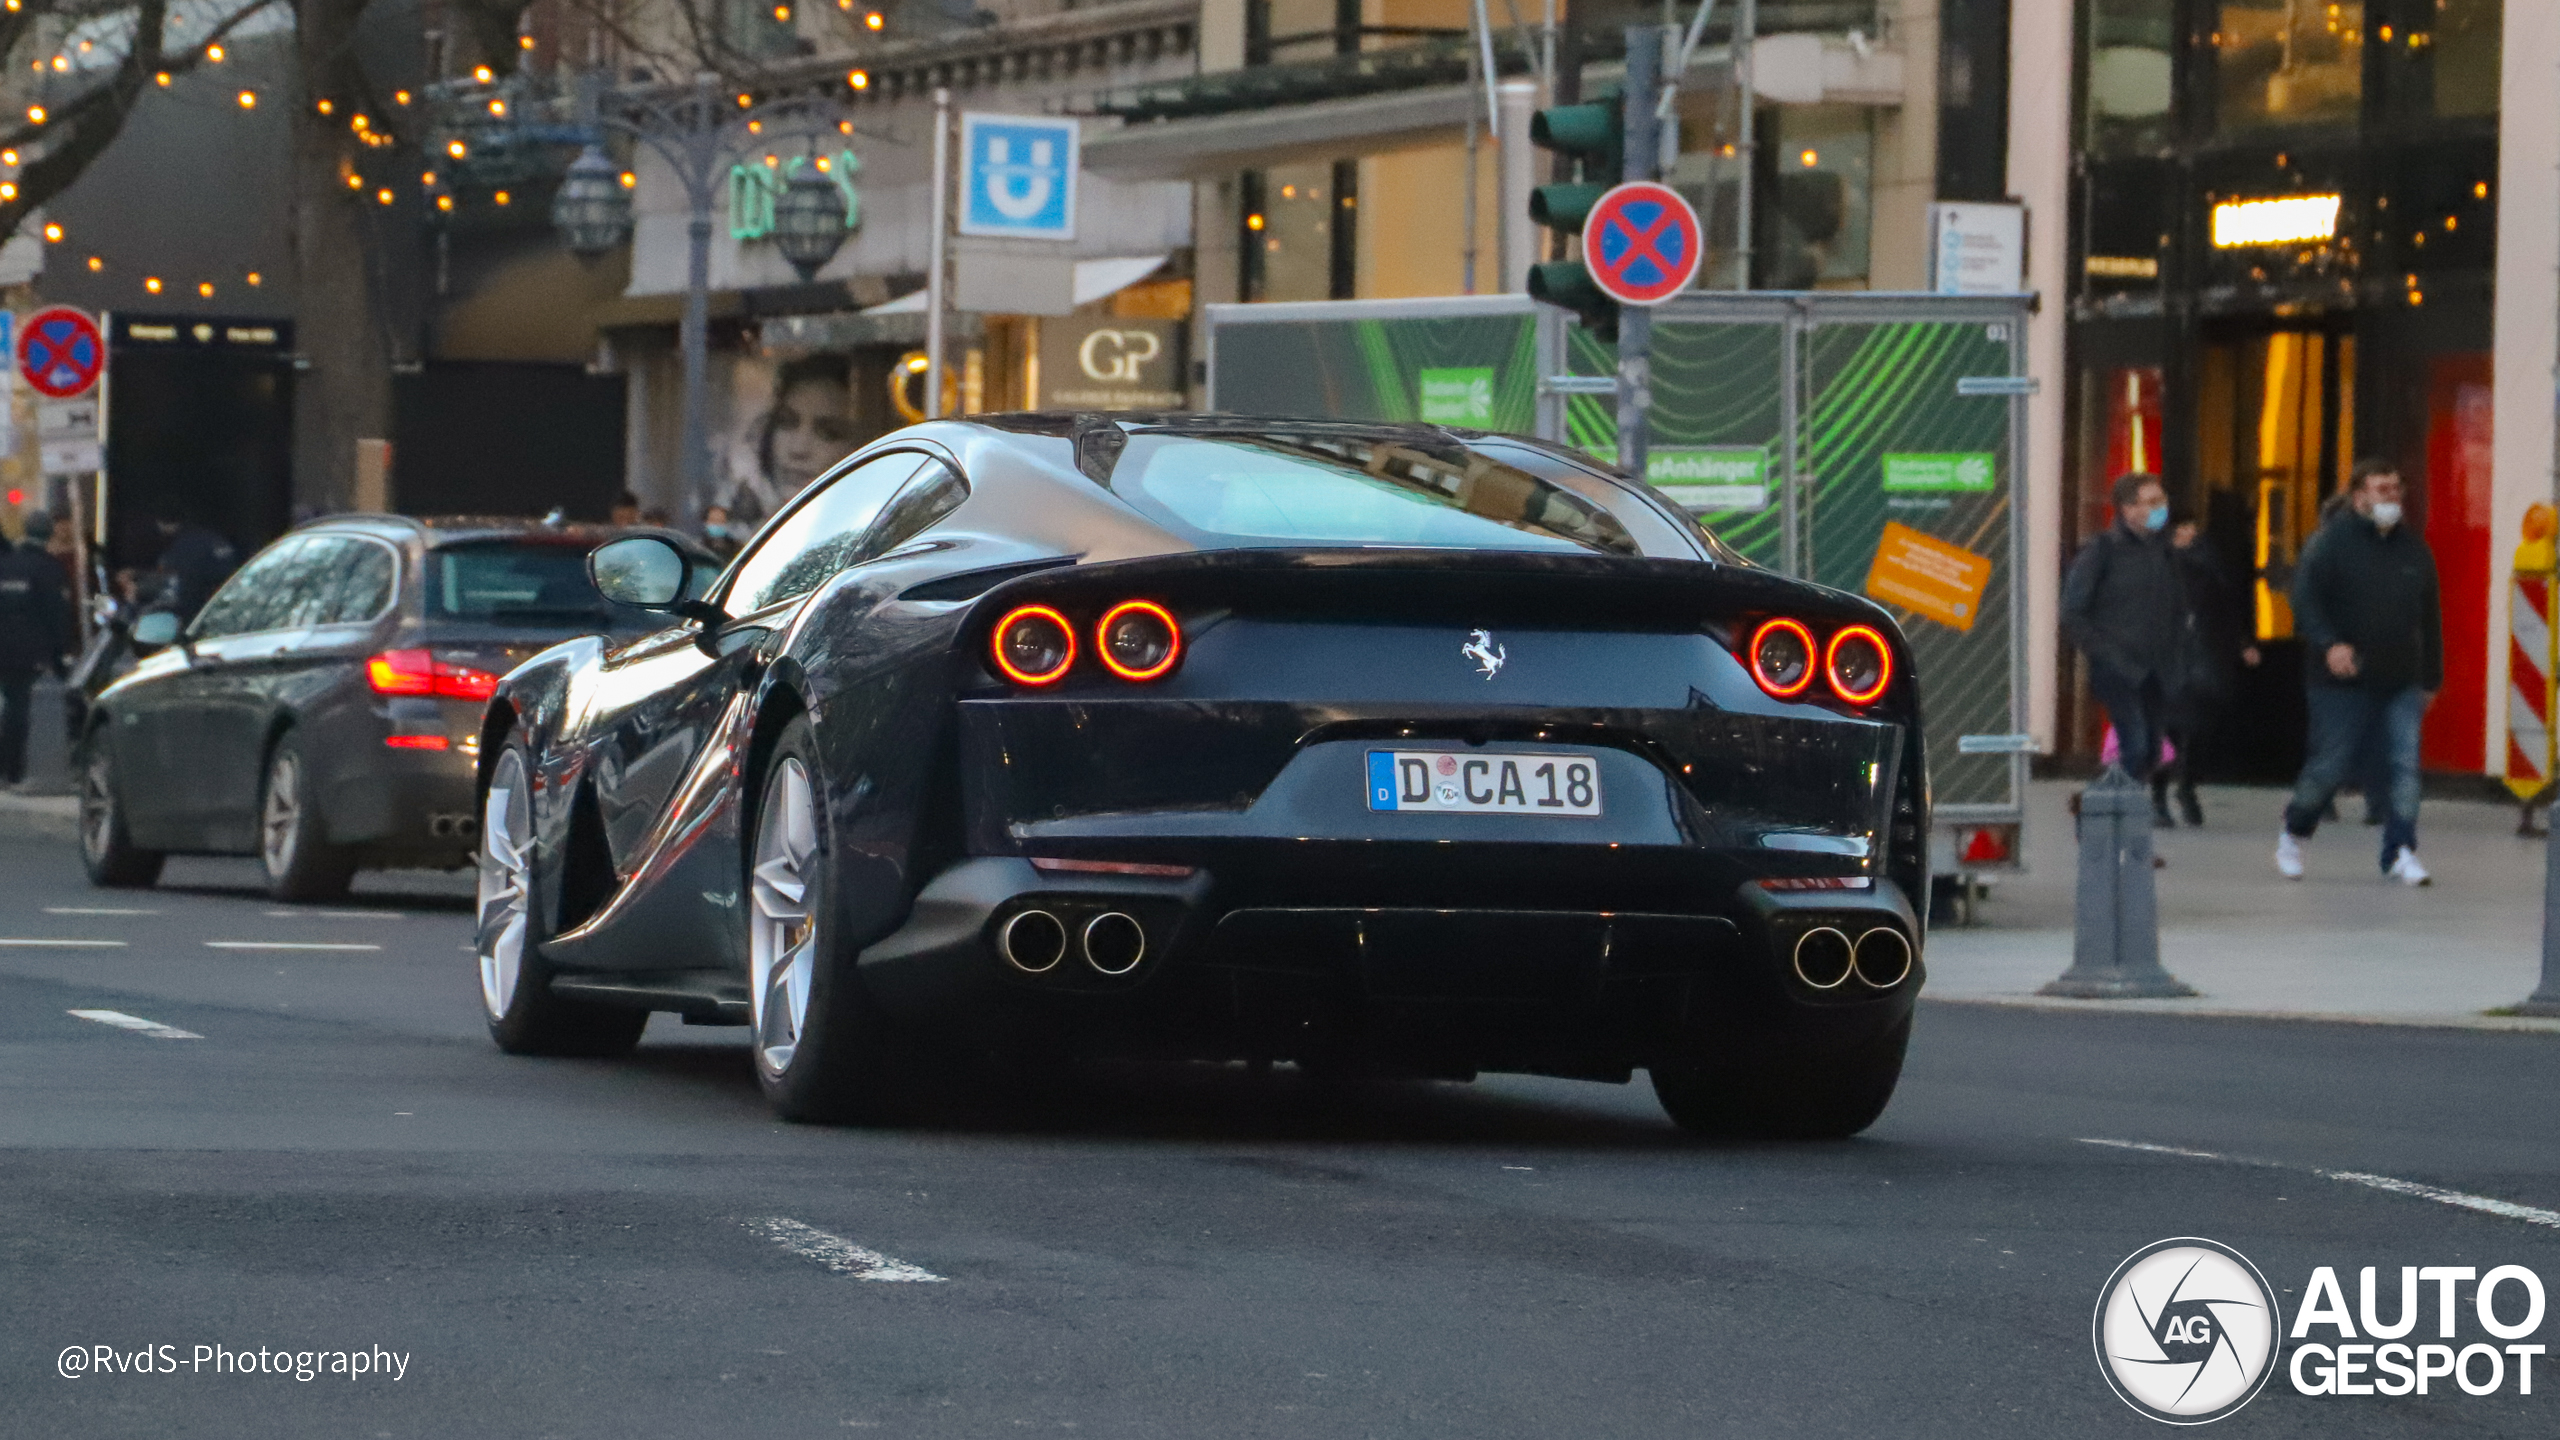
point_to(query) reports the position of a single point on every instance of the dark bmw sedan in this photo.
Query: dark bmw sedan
(322, 712)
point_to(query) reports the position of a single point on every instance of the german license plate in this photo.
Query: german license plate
(1482, 783)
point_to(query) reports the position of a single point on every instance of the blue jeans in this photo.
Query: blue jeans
(2134, 707)
(2344, 719)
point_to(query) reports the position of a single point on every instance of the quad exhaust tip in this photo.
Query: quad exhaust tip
(1033, 942)
(1824, 957)
(1114, 943)
(1883, 957)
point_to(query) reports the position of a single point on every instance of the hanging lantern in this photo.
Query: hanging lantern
(808, 219)
(592, 210)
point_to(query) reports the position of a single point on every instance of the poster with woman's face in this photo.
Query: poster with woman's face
(789, 421)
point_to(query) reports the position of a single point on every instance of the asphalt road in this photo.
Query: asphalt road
(342, 1162)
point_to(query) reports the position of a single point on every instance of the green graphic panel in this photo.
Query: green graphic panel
(1404, 368)
(1887, 440)
(1715, 387)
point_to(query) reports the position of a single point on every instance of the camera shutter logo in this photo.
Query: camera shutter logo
(2186, 1330)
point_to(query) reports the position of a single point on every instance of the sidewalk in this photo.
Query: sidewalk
(2341, 943)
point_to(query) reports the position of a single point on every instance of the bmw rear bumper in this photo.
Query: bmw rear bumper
(1239, 969)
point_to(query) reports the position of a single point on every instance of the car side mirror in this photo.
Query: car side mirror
(646, 572)
(157, 631)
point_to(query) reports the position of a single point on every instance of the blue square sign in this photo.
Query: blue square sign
(1018, 176)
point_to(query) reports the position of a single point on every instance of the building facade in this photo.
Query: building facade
(2285, 246)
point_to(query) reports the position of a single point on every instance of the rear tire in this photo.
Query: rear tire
(1824, 1097)
(292, 846)
(107, 852)
(525, 1018)
(821, 1050)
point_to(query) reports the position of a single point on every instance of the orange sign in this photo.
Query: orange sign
(1928, 576)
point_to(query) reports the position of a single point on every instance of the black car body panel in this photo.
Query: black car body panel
(1283, 914)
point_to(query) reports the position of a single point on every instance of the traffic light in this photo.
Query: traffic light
(1593, 135)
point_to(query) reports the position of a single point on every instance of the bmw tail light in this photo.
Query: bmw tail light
(1138, 640)
(416, 672)
(1782, 657)
(1859, 664)
(1034, 645)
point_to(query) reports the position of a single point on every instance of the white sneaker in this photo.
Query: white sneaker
(2406, 869)
(2289, 855)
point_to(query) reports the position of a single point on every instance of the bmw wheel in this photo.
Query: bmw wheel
(525, 1018)
(299, 861)
(820, 1052)
(106, 851)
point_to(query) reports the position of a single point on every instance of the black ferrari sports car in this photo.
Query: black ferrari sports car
(1376, 748)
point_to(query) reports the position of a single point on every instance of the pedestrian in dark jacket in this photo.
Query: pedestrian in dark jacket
(2366, 607)
(35, 634)
(2125, 606)
(193, 564)
(2220, 640)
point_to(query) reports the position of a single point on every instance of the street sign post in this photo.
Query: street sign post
(60, 352)
(1018, 176)
(1642, 242)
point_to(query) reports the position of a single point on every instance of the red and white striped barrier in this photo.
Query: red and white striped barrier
(2531, 662)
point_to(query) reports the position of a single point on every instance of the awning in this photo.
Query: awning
(1095, 280)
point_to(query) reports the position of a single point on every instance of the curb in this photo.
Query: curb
(2510, 1024)
(39, 817)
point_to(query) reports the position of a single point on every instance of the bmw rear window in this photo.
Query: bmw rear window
(1334, 489)
(504, 581)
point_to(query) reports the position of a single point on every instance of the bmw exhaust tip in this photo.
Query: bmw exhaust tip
(1033, 942)
(1883, 957)
(1114, 943)
(1823, 957)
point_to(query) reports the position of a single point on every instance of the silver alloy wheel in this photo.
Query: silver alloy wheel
(280, 818)
(97, 809)
(506, 880)
(781, 937)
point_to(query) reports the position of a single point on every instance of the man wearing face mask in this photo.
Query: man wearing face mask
(2125, 606)
(2366, 607)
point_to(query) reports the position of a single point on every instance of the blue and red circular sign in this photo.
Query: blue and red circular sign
(60, 352)
(1642, 243)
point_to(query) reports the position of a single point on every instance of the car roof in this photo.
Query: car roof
(438, 532)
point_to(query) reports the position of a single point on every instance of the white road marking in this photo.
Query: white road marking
(22, 944)
(92, 910)
(837, 1253)
(333, 914)
(2485, 1204)
(286, 945)
(136, 1024)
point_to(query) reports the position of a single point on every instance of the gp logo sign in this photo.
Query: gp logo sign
(2188, 1331)
(1114, 357)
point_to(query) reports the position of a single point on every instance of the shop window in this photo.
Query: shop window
(1817, 198)
(2442, 56)
(1300, 231)
(2289, 62)
(2131, 73)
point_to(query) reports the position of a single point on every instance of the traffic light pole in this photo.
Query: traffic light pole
(1635, 323)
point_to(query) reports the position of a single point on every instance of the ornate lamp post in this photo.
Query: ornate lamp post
(697, 131)
(808, 219)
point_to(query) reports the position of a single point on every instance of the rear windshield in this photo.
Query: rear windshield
(503, 581)
(1285, 490)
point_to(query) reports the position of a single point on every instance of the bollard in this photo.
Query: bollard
(2115, 931)
(2545, 999)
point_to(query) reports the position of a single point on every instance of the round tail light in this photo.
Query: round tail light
(1138, 640)
(1034, 645)
(1860, 665)
(1782, 657)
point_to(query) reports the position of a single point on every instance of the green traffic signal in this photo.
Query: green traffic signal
(1592, 135)
(1567, 284)
(1565, 205)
